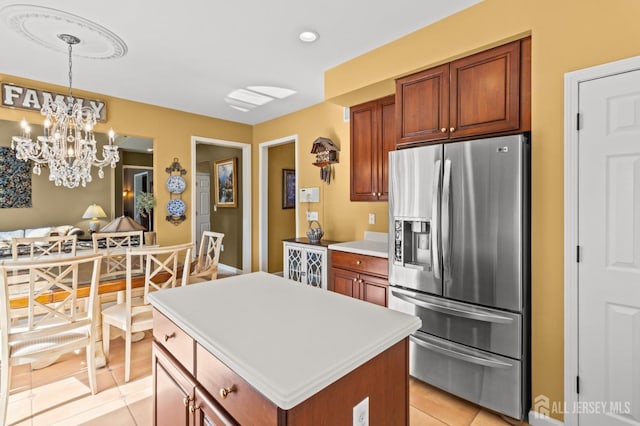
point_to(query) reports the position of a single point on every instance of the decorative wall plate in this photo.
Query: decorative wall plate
(176, 184)
(176, 207)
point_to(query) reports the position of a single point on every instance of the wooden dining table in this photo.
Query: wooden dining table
(111, 287)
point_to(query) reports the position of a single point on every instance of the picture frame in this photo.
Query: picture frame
(225, 183)
(288, 188)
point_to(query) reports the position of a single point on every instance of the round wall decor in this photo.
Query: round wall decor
(176, 207)
(176, 184)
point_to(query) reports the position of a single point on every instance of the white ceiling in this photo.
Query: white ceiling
(189, 55)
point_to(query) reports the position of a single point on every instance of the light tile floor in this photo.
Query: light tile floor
(60, 395)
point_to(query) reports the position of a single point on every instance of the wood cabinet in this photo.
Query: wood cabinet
(373, 135)
(359, 276)
(481, 94)
(215, 395)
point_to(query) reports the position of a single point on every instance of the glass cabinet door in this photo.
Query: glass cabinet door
(295, 262)
(315, 268)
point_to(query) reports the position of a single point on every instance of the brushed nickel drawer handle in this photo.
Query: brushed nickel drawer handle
(443, 130)
(224, 392)
(453, 129)
(358, 262)
(169, 336)
(193, 408)
(186, 400)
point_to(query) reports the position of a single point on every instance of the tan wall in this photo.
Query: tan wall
(227, 220)
(282, 222)
(171, 132)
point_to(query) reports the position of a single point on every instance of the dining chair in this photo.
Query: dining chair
(56, 321)
(37, 247)
(165, 267)
(206, 267)
(113, 246)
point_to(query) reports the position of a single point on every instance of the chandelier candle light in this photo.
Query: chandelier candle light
(68, 146)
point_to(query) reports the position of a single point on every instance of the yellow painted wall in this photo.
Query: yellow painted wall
(282, 222)
(567, 35)
(171, 132)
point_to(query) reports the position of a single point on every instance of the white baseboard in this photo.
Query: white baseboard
(536, 419)
(228, 269)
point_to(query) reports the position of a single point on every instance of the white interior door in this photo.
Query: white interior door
(203, 212)
(609, 237)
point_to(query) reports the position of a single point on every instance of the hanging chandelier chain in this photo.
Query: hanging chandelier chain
(70, 68)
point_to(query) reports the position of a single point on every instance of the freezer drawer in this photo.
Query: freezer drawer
(486, 379)
(488, 329)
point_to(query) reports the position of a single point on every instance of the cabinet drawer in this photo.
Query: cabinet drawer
(245, 404)
(360, 263)
(174, 340)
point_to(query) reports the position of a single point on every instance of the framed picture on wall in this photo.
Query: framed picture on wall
(288, 188)
(225, 186)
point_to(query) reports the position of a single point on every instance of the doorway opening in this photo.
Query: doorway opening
(263, 201)
(232, 220)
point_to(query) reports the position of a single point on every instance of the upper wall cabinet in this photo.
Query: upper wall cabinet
(373, 135)
(485, 93)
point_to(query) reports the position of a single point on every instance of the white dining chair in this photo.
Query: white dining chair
(56, 321)
(162, 266)
(113, 245)
(206, 267)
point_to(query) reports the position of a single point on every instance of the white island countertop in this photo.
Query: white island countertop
(374, 244)
(288, 340)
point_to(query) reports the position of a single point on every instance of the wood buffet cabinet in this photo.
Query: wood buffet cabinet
(360, 276)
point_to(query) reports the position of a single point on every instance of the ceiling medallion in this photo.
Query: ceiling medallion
(42, 24)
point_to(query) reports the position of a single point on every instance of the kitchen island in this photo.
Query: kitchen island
(260, 349)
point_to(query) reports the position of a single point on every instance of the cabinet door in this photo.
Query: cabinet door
(388, 142)
(315, 263)
(422, 106)
(208, 412)
(373, 290)
(293, 261)
(364, 134)
(173, 391)
(344, 282)
(485, 92)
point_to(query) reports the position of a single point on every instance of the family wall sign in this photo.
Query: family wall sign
(14, 96)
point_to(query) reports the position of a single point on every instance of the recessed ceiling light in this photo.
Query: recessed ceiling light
(308, 36)
(273, 91)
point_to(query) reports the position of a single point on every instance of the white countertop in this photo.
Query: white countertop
(374, 244)
(287, 340)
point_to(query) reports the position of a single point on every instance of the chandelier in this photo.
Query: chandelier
(68, 146)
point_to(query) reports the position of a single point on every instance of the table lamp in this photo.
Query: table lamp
(94, 212)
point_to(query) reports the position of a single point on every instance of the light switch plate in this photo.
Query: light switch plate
(361, 413)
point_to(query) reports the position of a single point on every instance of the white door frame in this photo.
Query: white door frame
(263, 193)
(572, 82)
(246, 192)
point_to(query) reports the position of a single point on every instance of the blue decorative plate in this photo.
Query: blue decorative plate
(176, 207)
(176, 184)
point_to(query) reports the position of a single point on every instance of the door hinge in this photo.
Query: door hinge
(578, 121)
(578, 253)
(577, 384)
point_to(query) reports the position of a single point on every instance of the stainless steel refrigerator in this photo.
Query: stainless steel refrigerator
(459, 259)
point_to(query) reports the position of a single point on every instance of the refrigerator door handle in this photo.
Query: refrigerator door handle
(446, 219)
(450, 310)
(473, 357)
(435, 222)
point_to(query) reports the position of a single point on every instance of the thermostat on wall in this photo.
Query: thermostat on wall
(310, 195)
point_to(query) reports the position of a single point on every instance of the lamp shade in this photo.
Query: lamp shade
(122, 224)
(94, 211)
